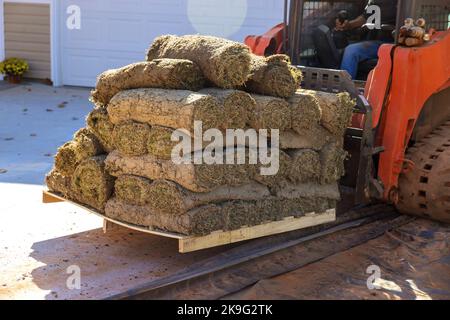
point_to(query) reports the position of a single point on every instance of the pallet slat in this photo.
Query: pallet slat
(217, 238)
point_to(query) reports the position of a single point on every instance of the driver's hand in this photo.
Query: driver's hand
(341, 26)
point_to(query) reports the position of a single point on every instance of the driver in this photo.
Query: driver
(365, 50)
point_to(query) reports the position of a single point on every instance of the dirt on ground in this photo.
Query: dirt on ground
(413, 263)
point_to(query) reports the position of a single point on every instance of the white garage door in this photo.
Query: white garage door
(114, 33)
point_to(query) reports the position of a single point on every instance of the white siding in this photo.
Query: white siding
(27, 36)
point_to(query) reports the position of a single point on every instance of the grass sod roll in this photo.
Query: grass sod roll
(159, 73)
(99, 123)
(236, 105)
(229, 215)
(332, 158)
(270, 113)
(305, 110)
(58, 182)
(305, 165)
(337, 110)
(130, 138)
(314, 138)
(92, 183)
(177, 109)
(223, 62)
(273, 76)
(159, 142)
(274, 180)
(133, 189)
(83, 146)
(194, 177)
(167, 197)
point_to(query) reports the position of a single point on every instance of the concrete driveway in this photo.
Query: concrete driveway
(34, 120)
(39, 242)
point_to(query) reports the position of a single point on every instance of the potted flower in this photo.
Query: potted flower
(14, 68)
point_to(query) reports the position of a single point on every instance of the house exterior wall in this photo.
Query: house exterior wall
(114, 33)
(27, 36)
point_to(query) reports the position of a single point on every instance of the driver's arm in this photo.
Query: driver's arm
(356, 23)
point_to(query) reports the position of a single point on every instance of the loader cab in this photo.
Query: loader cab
(306, 34)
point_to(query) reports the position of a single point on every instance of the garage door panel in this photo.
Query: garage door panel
(119, 61)
(118, 32)
(147, 6)
(82, 69)
(90, 34)
(83, 66)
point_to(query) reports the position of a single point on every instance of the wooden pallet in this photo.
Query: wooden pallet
(217, 238)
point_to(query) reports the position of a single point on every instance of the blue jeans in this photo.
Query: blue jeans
(357, 52)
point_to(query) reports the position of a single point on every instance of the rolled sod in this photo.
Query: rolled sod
(167, 197)
(194, 177)
(336, 109)
(305, 165)
(332, 159)
(305, 110)
(273, 181)
(133, 189)
(273, 76)
(229, 215)
(223, 62)
(92, 183)
(60, 183)
(197, 178)
(270, 113)
(314, 138)
(289, 190)
(99, 123)
(83, 146)
(131, 138)
(160, 144)
(159, 73)
(236, 105)
(177, 109)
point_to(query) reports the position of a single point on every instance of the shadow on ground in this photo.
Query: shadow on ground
(109, 263)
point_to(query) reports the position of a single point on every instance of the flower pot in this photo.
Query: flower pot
(14, 78)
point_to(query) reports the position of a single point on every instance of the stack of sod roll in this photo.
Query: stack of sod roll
(121, 163)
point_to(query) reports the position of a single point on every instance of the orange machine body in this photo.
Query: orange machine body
(397, 89)
(271, 40)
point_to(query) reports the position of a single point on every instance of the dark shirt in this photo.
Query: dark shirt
(388, 10)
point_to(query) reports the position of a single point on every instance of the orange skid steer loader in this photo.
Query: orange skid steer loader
(399, 140)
